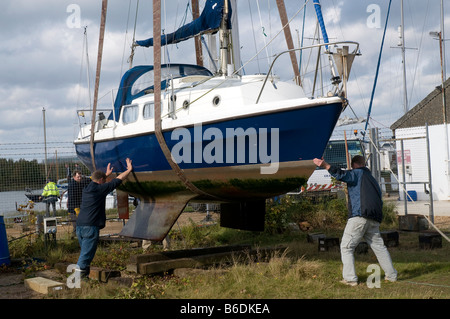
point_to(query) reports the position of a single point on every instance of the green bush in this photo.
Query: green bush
(320, 213)
(389, 215)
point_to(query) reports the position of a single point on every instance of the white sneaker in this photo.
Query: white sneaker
(349, 283)
(390, 280)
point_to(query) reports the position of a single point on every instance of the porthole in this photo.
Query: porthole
(216, 100)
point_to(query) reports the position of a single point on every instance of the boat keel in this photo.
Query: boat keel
(248, 215)
(154, 218)
(122, 204)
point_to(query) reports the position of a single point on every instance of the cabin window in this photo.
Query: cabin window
(149, 111)
(130, 114)
(216, 100)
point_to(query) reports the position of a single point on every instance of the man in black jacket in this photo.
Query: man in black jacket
(74, 191)
(365, 207)
(92, 215)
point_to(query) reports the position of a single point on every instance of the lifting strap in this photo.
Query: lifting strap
(157, 98)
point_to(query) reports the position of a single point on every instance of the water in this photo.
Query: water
(8, 202)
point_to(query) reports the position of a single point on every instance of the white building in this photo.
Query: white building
(410, 130)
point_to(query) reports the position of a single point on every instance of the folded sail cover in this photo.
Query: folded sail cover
(208, 22)
(317, 6)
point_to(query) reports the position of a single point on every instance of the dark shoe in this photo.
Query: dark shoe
(84, 273)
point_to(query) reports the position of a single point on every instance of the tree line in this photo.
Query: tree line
(24, 174)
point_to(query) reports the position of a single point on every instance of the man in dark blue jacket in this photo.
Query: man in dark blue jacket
(365, 206)
(92, 216)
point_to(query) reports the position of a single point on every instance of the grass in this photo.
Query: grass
(422, 274)
(300, 272)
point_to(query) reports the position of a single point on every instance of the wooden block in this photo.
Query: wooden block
(102, 275)
(362, 248)
(430, 240)
(43, 285)
(314, 237)
(327, 244)
(107, 274)
(412, 222)
(390, 238)
(95, 273)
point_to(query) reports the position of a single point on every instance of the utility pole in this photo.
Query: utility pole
(402, 35)
(45, 144)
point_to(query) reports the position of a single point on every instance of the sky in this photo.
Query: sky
(43, 64)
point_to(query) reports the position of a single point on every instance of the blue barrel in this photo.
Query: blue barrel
(412, 196)
(4, 250)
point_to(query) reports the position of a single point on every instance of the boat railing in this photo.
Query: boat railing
(101, 119)
(343, 69)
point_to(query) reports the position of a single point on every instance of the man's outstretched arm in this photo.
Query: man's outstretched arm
(124, 175)
(321, 163)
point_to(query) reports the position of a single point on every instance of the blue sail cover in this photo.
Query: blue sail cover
(317, 6)
(208, 22)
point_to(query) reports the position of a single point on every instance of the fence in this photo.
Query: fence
(400, 163)
(24, 171)
(345, 144)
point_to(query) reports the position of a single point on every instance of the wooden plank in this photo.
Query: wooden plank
(168, 255)
(161, 266)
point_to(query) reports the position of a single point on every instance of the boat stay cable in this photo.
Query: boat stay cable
(378, 69)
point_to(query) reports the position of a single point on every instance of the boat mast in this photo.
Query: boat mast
(288, 36)
(88, 74)
(133, 43)
(97, 77)
(197, 38)
(224, 37)
(401, 45)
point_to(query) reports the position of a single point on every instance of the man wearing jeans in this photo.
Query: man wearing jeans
(92, 215)
(365, 214)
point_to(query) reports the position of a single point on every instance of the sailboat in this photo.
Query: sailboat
(198, 136)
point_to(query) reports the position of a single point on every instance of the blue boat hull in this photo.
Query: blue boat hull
(301, 134)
